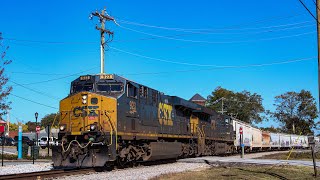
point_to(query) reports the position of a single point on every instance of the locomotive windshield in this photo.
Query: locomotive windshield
(110, 87)
(82, 87)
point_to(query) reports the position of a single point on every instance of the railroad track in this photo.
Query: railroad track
(47, 174)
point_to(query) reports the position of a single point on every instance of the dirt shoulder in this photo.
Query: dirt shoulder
(245, 172)
(306, 155)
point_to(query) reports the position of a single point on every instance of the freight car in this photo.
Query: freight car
(258, 140)
(107, 119)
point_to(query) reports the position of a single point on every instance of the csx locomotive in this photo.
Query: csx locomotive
(107, 119)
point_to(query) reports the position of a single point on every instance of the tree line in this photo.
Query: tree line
(295, 111)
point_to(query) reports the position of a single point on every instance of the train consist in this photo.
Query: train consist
(107, 119)
(255, 139)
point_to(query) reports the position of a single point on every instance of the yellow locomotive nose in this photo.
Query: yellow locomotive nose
(87, 112)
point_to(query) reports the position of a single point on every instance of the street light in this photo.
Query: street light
(36, 116)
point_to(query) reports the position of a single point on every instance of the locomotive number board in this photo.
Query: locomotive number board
(84, 78)
(106, 76)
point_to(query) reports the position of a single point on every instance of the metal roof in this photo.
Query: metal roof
(197, 97)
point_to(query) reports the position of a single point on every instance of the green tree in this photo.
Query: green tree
(243, 105)
(271, 129)
(13, 127)
(48, 120)
(31, 126)
(4, 88)
(296, 111)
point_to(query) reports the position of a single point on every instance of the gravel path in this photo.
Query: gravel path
(24, 168)
(143, 172)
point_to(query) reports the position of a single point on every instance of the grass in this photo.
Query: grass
(245, 172)
(294, 156)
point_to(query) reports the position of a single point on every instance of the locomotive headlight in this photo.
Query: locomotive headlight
(84, 99)
(62, 127)
(93, 127)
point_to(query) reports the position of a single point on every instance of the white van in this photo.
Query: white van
(44, 141)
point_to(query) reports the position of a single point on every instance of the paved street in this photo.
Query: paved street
(13, 150)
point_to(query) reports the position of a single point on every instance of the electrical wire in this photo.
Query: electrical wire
(233, 27)
(38, 92)
(212, 30)
(215, 42)
(33, 101)
(209, 65)
(55, 79)
(308, 10)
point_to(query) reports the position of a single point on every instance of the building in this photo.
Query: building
(198, 99)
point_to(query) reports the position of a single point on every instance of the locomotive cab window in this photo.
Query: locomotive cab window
(132, 91)
(82, 87)
(109, 88)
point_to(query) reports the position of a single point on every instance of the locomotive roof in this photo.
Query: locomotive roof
(174, 100)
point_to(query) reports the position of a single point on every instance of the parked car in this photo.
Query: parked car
(43, 143)
(25, 140)
(8, 141)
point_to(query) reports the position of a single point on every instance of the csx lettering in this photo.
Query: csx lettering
(82, 111)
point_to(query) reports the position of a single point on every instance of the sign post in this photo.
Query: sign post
(48, 131)
(312, 144)
(241, 142)
(2, 130)
(37, 131)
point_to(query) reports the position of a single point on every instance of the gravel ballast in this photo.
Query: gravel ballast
(25, 168)
(142, 172)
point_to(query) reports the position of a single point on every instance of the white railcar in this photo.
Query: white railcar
(275, 140)
(296, 141)
(247, 134)
(256, 138)
(285, 141)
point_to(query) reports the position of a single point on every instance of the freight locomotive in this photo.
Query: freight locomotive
(108, 119)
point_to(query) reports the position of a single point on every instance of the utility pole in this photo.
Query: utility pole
(103, 17)
(222, 107)
(318, 36)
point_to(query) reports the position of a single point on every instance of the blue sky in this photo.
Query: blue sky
(241, 33)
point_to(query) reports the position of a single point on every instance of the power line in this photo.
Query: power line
(33, 101)
(39, 92)
(229, 27)
(208, 65)
(216, 68)
(207, 31)
(308, 10)
(55, 79)
(214, 42)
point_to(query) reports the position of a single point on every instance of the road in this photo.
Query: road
(13, 150)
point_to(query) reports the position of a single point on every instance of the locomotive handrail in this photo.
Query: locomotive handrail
(82, 147)
(111, 132)
(54, 120)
